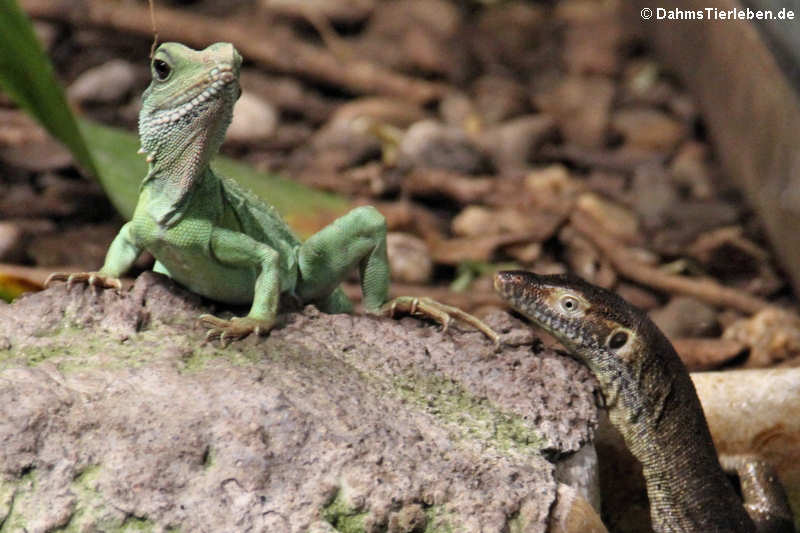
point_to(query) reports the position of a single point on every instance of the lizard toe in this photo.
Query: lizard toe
(227, 331)
(438, 312)
(93, 279)
(56, 276)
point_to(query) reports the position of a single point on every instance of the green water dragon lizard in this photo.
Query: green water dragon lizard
(221, 241)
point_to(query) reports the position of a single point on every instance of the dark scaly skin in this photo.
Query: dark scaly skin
(650, 398)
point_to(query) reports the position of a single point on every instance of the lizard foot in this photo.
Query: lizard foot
(233, 329)
(437, 311)
(94, 279)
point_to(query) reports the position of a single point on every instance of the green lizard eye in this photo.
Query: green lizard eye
(161, 69)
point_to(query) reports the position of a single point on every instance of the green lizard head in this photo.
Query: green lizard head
(189, 104)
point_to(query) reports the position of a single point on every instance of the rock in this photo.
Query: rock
(688, 219)
(684, 316)
(756, 411)
(331, 423)
(513, 34)
(499, 98)
(409, 258)
(351, 137)
(458, 187)
(480, 248)
(690, 169)
(435, 145)
(417, 35)
(592, 36)
(581, 106)
(12, 242)
(726, 251)
(43, 156)
(612, 185)
(82, 245)
(288, 94)
(46, 32)
(254, 119)
(639, 78)
(638, 296)
(773, 335)
(107, 83)
(614, 218)
(332, 11)
(682, 105)
(526, 253)
(727, 254)
(585, 260)
(573, 512)
(652, 195)
(648, 129)
(512, 143)
(377, 110)
(476, 221)
(553, 186)
(706, 354)
(457, 109)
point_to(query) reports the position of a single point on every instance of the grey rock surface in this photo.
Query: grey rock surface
(115, 416)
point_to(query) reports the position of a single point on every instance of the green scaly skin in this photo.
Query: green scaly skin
(652, 402)
(223, 242)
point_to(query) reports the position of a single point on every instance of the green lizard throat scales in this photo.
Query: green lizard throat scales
(223, 242)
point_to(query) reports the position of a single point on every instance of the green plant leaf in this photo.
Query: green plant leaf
(26, 75)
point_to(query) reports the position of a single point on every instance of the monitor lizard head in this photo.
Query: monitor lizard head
(189, 104)
(609, 335)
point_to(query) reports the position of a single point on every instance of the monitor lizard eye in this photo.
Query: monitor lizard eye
(569, 304)
(617, 340)
(161, 69)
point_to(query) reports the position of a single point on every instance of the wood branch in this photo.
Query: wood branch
(276, 51)
(628, 266)
(462, 188)
(626, 161)
(705, 354)
(33, 276)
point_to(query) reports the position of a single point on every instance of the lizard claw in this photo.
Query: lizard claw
(439, 312)
(227, 331)
(94, 279)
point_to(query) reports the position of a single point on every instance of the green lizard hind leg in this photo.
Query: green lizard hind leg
(359, 239)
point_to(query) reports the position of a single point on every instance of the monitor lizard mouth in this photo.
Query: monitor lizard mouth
(538, 297)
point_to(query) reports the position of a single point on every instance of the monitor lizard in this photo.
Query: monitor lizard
(652, 402)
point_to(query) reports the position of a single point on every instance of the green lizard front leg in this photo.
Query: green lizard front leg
(359, 239)
(238, 250)
(119, 259)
